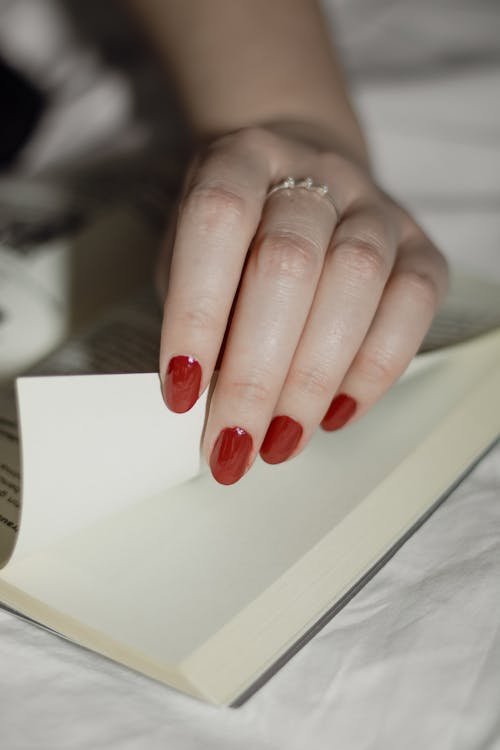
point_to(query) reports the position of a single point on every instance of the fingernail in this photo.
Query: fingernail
(231, 454)
(339, 412)
(182, 383)
(282, 437)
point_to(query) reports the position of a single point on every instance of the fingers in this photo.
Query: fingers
(413, 293)
(218, 216)
(327, 313)
(280, 280)
(355, 272)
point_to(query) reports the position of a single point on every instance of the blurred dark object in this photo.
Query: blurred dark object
(22, 105)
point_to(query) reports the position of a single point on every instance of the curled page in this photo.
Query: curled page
(92, 445)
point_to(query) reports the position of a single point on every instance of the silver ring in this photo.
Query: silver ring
(306, 183)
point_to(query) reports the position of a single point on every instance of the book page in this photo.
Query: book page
(92, 445)
(471, 308)
(84, 436)
(124, 340)
(10, 475)
(192, 558)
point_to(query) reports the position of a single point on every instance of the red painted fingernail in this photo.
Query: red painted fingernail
(182, 383)
(339, 412)
(231, 454)
(282, 437)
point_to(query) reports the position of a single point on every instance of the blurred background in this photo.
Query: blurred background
(90, 133)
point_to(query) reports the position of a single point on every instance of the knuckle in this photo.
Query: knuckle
(363, 258)
(213, 205)
(376, 366)
(253, 140)
(251, 390)
(289, 255)
(331, 161)
(442, 271)
(335, 163)
(312, 381)
(200, 316)
(421, 285)
(254, 137)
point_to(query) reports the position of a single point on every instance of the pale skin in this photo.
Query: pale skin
(329, 304)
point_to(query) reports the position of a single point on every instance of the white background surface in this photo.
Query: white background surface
(414, 660)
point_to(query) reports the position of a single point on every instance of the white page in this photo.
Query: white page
(92, 445)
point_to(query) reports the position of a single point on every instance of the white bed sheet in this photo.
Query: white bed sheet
(413, 661)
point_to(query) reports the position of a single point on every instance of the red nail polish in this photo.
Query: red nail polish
(182, 383)
(282, 437)
(231, 454)
(339, 412)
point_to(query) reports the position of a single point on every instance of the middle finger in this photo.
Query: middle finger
(279, 283)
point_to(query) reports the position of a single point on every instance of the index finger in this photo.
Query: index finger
(218, 216)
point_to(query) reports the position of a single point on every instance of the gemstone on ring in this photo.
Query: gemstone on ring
(307, 183)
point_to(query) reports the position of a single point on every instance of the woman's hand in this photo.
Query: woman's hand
(327, 303)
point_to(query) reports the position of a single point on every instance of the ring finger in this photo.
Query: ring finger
(415, 289)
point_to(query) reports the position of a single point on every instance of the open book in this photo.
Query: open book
(124, 543)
